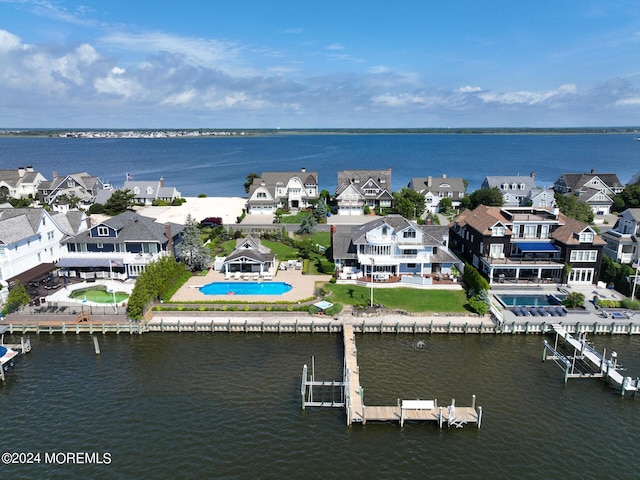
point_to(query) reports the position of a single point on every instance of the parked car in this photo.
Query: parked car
(211, 222)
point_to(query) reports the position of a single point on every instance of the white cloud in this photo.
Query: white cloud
(631, 101)
(527, 97)
(469, 89)
(9, 41)
(335, 46)
(116, 83)
(182, 98)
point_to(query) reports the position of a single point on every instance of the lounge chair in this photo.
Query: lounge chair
(237, 275)
(517, 312)
(267, 276)
(245, 276)
(227, 275)
(533, 311)
(561, 311)
(256, 276)
(543, 312)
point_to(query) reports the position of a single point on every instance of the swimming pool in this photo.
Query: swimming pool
(245, 288)
(512, 300)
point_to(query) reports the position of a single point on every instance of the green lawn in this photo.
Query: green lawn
(281, 251)
(409, 299)
(297, 218)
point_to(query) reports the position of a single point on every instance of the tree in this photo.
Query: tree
(572, 207)
(408, 203)
(307, 226)
(191, 250)
(249, 182)
(72, 200)
(491, 197)
(629, 197)
(120, 201)
(445, 204)
(17, 297)
(320, 211)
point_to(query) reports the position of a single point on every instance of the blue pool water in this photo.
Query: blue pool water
(245, 288)
(512, 300)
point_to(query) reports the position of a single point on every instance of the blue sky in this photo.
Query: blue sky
(319, 64)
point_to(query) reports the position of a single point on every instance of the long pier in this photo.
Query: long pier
(585, 362)
(9, 351)
(404, 411)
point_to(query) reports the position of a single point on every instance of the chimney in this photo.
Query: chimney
(30, 168)
(593, 170)
(55, 174)
(303, 169)
(429, 181)
(161, 182)
(533, 175)
(88, 222)
(444, 175)
(167, 233)
(21, 172)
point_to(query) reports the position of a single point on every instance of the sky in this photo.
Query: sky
(319, 64)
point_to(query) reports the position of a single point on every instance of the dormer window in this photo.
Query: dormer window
(505, 186)
(497, 231)
(586, 237)
(381, 179)
(71, 183)
(102, 231)
(514, 186)
(356, 179)
(149, 190)
(409, 234)
(522, 186)
(136, 190)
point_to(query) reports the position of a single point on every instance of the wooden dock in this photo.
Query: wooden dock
(8, 351)
(352, 398)
(585, 362)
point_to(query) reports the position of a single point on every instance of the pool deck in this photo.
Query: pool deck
(303, 288)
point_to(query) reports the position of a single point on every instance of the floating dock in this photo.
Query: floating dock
(351, 397)
(585, 362)
(9, 351)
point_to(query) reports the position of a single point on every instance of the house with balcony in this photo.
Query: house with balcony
(358, 189)
(435, 189)
(595, 189)
(622, 240)
(76, 190)
(30, 244)
(392, 247)
(527, 245)
(120, 247)
(20, 183)
(288, 190)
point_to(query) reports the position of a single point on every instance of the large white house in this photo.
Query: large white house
(20, 183)
(393, 246)
(358, 189)
(289, 190)
(435, 189)
(30, 244)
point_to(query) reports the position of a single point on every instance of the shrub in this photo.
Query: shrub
(631, 304)
(574, 300)
(313, 310)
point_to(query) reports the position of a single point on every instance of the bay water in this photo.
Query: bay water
(228, 406)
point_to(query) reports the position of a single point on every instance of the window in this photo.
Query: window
(100, 245)
(586, 237)
(516, 230)
(497, 231)
(530, 231)
(149, 190)
(50, 236)
(544, 231)
(262, 195)
(496, 250)
(584, 256)
(102, 231)
(505, 186)
(522, 186)
(409, 234)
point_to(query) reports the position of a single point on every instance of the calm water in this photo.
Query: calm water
(228, 406)
(218, 166)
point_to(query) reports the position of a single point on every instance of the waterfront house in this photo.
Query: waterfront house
(435, 189)
(516, 189)
(249, 256)
(622, 240)
(20, 183)
(29, 245)
(63, 193)
(392, 247)
(527, 245)
(120, 247)
(286, 190)
(595, 189)
(147, 191)
(358, 189)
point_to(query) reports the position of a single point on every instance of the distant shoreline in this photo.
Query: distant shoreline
(240, 133)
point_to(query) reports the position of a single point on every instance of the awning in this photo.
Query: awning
(528, 247)
(90, 262)
(35, 273)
